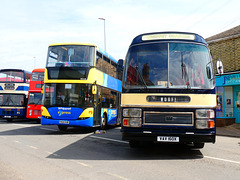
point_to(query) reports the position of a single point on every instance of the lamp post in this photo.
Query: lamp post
(34, 58)
(104, 33)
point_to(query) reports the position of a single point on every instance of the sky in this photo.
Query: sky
(27, 27)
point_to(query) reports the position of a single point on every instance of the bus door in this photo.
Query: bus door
(97, 107)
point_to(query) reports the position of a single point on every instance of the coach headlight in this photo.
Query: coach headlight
(205, 118)
(133, 112)
(132, 122)
(205, 114)
(132, 117)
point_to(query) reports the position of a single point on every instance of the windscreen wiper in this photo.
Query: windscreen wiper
(141, 77)
(38, 102)
(184, 73)
(8, 100)
(5, 103)
(12, 101)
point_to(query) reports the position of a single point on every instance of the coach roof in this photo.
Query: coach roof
(168, 36)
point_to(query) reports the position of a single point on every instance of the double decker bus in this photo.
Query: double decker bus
(82, 87)
(168, 92)
(14, 85)
(35, 94)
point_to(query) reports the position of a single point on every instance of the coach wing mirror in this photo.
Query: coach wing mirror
(42, 89)
(209, 71)
(219, 67)
(94, 89)
(120, 62)
(120, 65)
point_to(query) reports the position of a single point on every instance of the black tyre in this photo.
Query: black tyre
(9, 120)
(134, 144)
(62, 127)
(198, 145)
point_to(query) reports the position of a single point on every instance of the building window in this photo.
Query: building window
(228, 100)
(220, 102)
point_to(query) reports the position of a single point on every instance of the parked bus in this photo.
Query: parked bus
(82, 87)
(35, 94)
(168, 92)
(14, 85)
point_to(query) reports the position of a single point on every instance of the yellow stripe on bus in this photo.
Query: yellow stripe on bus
(87, 113)
(69, 44)
(45, 112)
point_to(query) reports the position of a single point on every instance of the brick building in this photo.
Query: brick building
(226, 47)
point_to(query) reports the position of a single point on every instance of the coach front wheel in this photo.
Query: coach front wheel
(198, 145)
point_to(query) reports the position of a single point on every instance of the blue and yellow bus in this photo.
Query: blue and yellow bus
(14, 85)
(82, 87)
(168, 92)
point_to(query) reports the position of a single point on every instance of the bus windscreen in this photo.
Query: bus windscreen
(169, 65)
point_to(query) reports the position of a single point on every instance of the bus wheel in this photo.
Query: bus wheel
(198, 145)
(104, 122)
(62, 127)
(9, 120)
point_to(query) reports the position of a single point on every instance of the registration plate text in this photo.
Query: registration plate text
(167, 139)
(64, 122)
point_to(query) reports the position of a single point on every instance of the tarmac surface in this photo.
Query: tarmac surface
(231, 130)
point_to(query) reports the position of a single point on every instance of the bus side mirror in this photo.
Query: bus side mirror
(42, 89)
(94, 89)
(219, 67)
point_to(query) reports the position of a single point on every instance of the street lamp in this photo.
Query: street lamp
(104, 33)
(34, 58)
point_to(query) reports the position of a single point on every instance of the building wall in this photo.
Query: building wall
(226, 47)
(228, 51)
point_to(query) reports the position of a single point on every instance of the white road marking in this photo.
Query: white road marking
(108, 139)
(115, 175)
(51, 153)
(48, 152)
(48, 129)
(33, 147)
(26, 125)
(209, 157)
(18, 142)
(220, 159)
(82, 164)
(32, 125)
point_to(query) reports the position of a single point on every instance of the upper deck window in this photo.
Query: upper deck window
(37, 76)
(70, 56)
(11, 76)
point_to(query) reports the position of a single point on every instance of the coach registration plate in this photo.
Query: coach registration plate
(167, 139)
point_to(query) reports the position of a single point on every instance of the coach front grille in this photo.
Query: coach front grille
(168, 118)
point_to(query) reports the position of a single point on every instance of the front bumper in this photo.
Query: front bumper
(183, 138)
